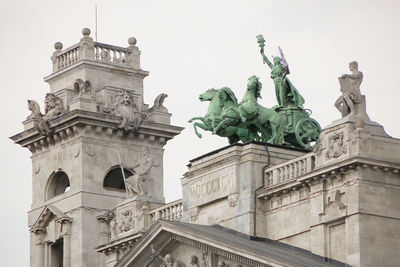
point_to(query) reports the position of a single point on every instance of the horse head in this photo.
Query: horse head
(254, 85)
(208, 95)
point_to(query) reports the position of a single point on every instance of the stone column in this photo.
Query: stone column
(66, 234)
(40, 246)
(104, 224)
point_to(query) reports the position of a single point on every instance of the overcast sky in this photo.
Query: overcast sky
(188, 47)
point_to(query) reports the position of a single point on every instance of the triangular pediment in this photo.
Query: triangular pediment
(48, 213)
(183, 244)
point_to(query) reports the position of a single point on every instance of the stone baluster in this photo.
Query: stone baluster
(86, 45)
(115, 58)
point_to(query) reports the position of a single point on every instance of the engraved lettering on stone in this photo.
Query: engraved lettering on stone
(336, 146)
(213, 186)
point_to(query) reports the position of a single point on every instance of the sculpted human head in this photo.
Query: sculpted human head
(221, 264)
(277, 60)
(169, 259)
(193, 259)
(353, 65)
(145, 152)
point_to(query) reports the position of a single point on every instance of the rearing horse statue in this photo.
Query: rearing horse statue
(220, 100)
(265, 120)
(246, 121)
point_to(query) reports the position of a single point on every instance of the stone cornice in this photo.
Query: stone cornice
(96, 64)
(79, 123)
(325, 173)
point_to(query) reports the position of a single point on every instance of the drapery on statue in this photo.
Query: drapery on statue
(350, 87)
(286, 93)
(141, 170)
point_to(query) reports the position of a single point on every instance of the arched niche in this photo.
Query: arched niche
(114, 179)
(58, 184)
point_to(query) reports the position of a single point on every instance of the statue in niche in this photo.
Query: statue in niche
(53, 108)
(350, 88)
(82, 88)
(286, 93)
(134, 183)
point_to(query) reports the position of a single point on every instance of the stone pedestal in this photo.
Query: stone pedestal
(219, 186)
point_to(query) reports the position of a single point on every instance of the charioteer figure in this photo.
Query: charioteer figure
(286, 93)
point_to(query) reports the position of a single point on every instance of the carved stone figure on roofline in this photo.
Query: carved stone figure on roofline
(53, 107)
(352, 103)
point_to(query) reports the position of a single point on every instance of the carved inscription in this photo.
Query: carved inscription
(212, 186)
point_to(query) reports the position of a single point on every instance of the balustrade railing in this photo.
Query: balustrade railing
(171, 211)
(90, 50)
(110, 53)
(289, 170)
(67, 57)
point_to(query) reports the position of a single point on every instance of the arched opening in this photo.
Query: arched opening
(114, 179)
(58, 184)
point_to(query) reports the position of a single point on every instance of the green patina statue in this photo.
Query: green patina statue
(244, 122)
(286, 93)
(287, 123)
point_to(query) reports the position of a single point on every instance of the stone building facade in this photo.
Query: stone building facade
(97, 160)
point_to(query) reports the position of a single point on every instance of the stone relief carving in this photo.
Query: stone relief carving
(170, 261)
(126, 221)
(34, 107)
(336, 146)
(194, 261)
(53, 107)
(113, 228)
(221, 264)
(206, 259)
(167, 261)
(158, 103)
(126, 107)
(335, 197)
(134, 183)
(82, 88)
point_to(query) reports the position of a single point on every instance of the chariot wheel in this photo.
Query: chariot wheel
(307, 132)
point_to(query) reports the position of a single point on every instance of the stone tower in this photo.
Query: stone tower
(94, 114)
